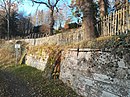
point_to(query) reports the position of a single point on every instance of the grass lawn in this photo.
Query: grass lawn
(37, 85)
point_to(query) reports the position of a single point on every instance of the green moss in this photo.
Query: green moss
(50, 64)
(22, 59)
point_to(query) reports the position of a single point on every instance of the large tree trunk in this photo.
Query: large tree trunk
(52, 21)
(103, 6)
(88, 25)
(88, 20)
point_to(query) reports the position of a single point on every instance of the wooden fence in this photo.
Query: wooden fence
(115, 23)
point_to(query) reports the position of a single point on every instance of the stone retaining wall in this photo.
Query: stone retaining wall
(96, 74)
(91, 73)
(74, 35)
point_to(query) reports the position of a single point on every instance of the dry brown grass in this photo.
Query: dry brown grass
(7, 54)
(6, 58)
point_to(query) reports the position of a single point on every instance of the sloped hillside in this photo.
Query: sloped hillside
(7, 54)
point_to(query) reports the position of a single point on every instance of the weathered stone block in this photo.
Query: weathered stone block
(38, 63)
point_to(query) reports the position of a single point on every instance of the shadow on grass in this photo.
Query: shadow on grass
(12, 86)
(30, 81)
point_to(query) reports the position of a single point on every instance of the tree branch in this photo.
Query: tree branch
(5, 6)
(37, 8)
(40, 2)
(56, 3)
(49, 2)
(57, 10)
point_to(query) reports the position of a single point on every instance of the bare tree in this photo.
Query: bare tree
(25, 24)
(8, 6)
(59, 16)
(51, 5)
(2, 24)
